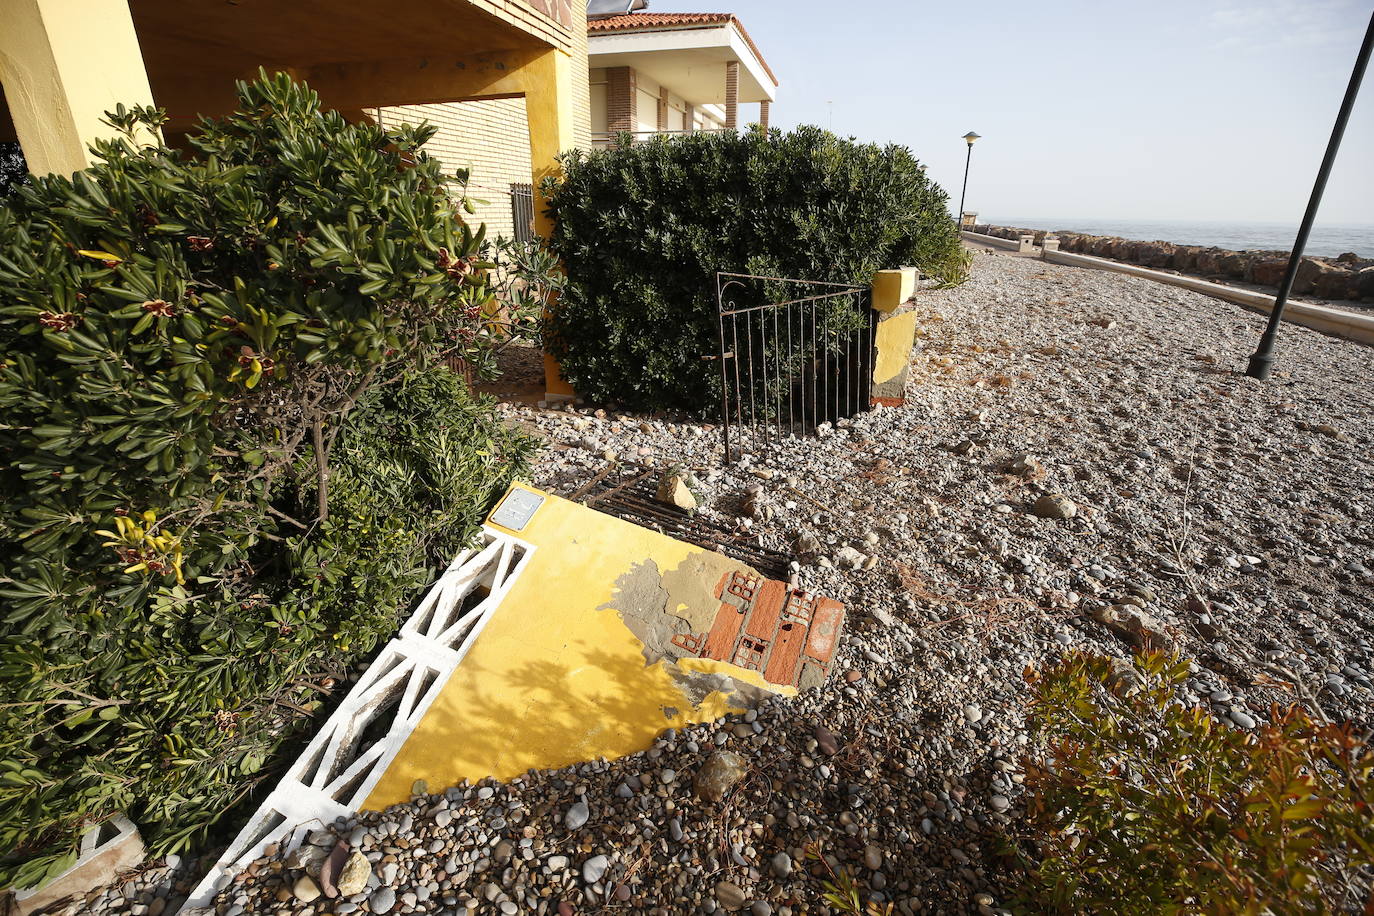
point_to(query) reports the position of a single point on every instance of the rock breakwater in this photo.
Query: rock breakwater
(1347, 277)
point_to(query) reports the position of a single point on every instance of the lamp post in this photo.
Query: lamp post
(968, 138)
(1263, 359)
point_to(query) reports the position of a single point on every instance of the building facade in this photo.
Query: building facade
(64, 63)
(647, 74)
(655, 73)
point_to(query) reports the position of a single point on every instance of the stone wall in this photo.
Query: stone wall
(1345, 277)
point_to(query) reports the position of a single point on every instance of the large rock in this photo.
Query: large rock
(1133, 625)
(730, 895)
(305, 889)
(577, 815)
(1155, 254)
(354, 876)
(1056, 506)
(1234, 264)
(1364, 283)
(1185, 257)
(718, 775)
(1268, 271)
(1309, 271)
(1337, 283)
(849, 558)
(674, 491)
(1075, 241)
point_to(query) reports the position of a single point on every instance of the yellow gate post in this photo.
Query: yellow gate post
(895, 334)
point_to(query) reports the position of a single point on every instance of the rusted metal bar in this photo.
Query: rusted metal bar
(795, 379)
(587, 487)
(773, 305)
(611, 492)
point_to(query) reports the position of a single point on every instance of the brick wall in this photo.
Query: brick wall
(489, 137)
(732, 93)
(582, 90)
(622, 109)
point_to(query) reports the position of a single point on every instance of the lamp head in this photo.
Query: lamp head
(970, 137)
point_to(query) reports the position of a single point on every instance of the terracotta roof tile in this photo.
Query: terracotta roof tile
(648, 22)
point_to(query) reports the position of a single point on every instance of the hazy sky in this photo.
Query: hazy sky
(1207, 109)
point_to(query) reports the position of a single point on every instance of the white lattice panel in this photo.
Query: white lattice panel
(338, 770)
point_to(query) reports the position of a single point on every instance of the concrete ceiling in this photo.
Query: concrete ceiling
(194, 52)
(306, 33)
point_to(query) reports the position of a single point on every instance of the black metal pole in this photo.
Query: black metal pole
(1263, 359)
(959, 217)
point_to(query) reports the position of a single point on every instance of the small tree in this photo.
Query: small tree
(1140, 804)
(182, 340)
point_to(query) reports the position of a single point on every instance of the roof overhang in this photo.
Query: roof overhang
(687, 59)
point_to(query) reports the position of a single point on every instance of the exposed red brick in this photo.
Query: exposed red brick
(787, 649)
(720, 642)
(766, 613)
(824, 635)
(763, 625)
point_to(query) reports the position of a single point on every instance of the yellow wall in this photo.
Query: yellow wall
(557, 676)
(64, 63)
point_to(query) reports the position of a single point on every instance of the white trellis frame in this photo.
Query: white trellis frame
(339, 769)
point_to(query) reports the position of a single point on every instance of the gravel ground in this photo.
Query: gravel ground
(1079, 450)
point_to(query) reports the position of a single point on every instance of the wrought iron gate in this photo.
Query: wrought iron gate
(788, 366)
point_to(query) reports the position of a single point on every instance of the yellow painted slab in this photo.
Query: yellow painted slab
(559, 675)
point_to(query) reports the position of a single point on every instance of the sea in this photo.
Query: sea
(1327, 240)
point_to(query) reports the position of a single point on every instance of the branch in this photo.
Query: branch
(321, 466)
(286, 518)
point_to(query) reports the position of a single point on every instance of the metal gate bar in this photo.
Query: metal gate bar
(522, 211)
(795, 364)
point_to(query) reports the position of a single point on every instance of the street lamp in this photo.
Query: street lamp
(1263, 359)
(968, 138)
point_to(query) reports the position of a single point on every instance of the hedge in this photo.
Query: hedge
(230, 456)
(643, 227)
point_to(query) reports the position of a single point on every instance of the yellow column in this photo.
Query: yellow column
(64, 63)
(551, 115)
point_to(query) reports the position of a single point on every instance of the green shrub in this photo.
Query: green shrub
(642, 229)
(14, 170)
(1140, 804)
(228, 458)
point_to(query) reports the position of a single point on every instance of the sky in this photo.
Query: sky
(1203, 110)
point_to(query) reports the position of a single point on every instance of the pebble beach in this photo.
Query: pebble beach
(1080, 459)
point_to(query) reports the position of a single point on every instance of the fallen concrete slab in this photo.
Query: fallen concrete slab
(612, 634)
(567, 635)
